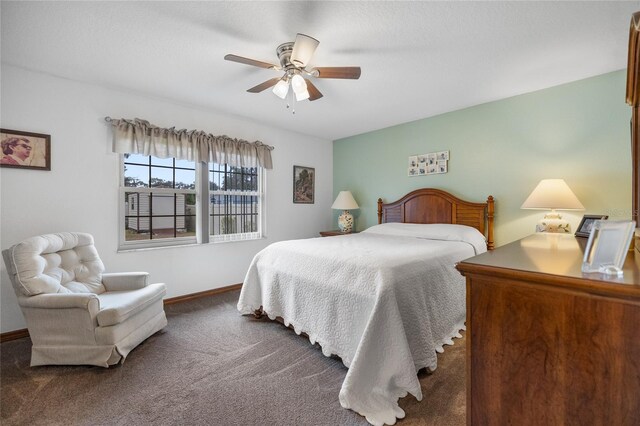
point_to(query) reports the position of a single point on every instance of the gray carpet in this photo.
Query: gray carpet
(211, 366)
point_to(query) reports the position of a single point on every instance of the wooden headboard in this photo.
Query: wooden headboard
(430, 205)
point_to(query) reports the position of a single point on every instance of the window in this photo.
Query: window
(234, 202)
(159, 206)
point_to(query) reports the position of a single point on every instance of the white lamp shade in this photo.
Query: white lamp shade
(303, 49)
(298, 84)
(302, 96)
(345, 201)
(281, 88)
(552, 194)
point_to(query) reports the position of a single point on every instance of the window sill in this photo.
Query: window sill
(186, 244)
(126, 249)
(237, 241)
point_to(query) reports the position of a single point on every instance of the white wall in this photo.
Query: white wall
(80, 193)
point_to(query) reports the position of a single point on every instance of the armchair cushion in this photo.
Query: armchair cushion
(117, 306)
(120, 281)
(57, 263)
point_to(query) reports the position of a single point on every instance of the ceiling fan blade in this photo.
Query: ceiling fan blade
(303, 49)
(263, 86)
(253, 62)
(314, 93)
(338, 72)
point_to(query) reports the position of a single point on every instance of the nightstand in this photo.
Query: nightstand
(335, 232)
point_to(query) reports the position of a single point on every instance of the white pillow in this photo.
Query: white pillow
(433, 231)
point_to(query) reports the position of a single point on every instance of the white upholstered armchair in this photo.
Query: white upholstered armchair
(76, 313)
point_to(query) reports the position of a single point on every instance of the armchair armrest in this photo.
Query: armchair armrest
(88, 301)
(123, 281)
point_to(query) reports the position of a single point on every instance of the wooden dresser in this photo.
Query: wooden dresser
(547, 344)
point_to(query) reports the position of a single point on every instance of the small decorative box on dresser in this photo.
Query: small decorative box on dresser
(335, 232)
(547, 344)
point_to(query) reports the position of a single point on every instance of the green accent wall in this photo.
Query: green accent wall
(579, 132)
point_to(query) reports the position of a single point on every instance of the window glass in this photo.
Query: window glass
(136, 220)
(164, 222)
(185, 179)
(136, 176)
(155, 161)
(162, 177)
(184, 164)
(136, 159)
(159, 197)
(215, 180)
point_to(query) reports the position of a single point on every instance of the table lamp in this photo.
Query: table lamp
(345, 202)
(552, 194)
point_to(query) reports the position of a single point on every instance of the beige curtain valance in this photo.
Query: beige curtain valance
(141, 137)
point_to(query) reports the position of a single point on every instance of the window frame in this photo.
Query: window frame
(203, 194)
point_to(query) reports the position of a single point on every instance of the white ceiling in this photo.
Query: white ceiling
(418, 59)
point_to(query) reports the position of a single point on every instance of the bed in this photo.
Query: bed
(384, 300)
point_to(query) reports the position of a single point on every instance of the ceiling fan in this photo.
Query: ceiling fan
(294, 58)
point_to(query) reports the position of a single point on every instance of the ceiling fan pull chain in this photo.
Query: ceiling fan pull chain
(293, 102)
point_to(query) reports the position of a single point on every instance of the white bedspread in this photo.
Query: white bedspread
(384, 304)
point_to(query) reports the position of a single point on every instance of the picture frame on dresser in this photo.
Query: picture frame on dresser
(586, 224)
(607, 246)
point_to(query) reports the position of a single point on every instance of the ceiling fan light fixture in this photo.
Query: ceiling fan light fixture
(294, 57)
(281, 89)
(303, 49)
(298, 84)
(302, 95)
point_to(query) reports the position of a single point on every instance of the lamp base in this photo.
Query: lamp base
(345, 222)
(553, 223)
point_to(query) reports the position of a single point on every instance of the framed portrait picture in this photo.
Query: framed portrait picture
(25, 150)
(303, 184)
(586, 224)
